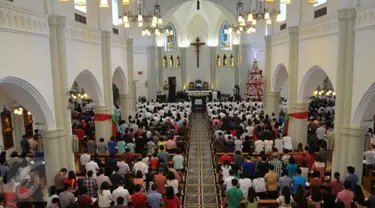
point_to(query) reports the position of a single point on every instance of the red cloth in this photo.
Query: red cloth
(172, 203)
(154, 163)
(139, 200)
(299, 115)
(84, 200)
(80, 133)
(106, 117)
(310, 159)
(70, 182)
(224, 158)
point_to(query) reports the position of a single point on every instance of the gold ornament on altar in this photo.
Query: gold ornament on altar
(218, 60)
(225, 61)
(165, 65)
(171, 62)
(231, 60)
(178, 62)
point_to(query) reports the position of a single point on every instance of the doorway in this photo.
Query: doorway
(172, 89)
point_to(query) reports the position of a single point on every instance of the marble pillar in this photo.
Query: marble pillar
(51, 153)
(236, 51)
(273, 103)
(131, 85)
(355, 138)
(103, 129)
(107, 68)
(184, 83)
(213, 67)
(299, 126)
(267, 70)
(151, 72)
(125, 102)
(160, 69)
(343, 88)
(60, 89)
(244, 66)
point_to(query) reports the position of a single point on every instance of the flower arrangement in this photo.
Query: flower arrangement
(166, 85)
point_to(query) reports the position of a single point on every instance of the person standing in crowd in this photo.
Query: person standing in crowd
(25, 145)
(90, 183)
(154, 198)
(272, 180)
(346, 195)
(352, 177)
(138, 198)
(298, 180)
(59, 181)
(234, 195)
(91, 146)
(120, 191)
(84, 159)
(369, 160)
(112, 145)
(321, 133)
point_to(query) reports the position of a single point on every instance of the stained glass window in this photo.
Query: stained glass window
(283, 12)
(225, 37)
(170, 37)
(115, 16)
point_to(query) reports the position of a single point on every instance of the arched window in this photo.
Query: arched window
(79, 7)
(283, 12)
(225, 37)
(170, 38)
(115, 15)
(320, 2)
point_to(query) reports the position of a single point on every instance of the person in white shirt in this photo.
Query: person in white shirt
(225, 169)
(279, 143)
(259, 145)
(268, 145)
(238, 145)
(104, 195)
(123, 167)
(228, 182)
(93, 166)
(121, 191)
(287, 143)
(245, 184)
(140, 166)
(84, 159)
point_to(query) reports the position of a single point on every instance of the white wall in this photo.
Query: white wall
(140, 64)
(203, 72)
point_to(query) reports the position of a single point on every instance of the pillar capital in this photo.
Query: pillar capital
(103, 109)
(151, 48)
(293, 30)
(346, 14)
(274, 94)
(106, 34)
(129, 41)
(54, 133)
(352, 132)
(57, 21)
(246, 45)
(268, 38)
(125, 95)
(300, 107)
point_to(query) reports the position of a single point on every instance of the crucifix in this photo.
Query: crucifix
(197, 45)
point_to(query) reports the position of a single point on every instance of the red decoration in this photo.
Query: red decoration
(140, 72)
(299, 115)
(106, 117)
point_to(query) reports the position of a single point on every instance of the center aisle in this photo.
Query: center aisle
(200, 187)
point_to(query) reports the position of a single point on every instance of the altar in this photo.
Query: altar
(199, 99)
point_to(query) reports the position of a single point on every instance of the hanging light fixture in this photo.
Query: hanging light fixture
(29, 113)
(254, 22)
(250, 17)
(241, 29)
(126, 25)
(171, 32)
(64, 0)
(253, 30)
(160, 21)
(140, 18)
(312, 1)
(278, 18)
(269, 22)
(140, 24)
(153, 25)
(104, 4)
(167, 31)
(248, 31)
(80, 3)
(126, 2)
(285, 2)
(125, 19)
(267, 16)
(269, 1)
(230, 30)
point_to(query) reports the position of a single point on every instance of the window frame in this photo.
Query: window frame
(81, 12)
(320, 5)
(221, 32)
(281, 14)
(115, 21)
(170, 25)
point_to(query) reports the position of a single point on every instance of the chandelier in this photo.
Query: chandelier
(151, 22)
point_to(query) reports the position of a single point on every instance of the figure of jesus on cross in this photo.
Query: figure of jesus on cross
(197, 45)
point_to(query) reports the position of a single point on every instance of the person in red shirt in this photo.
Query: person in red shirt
(138, 198)
(84, 200)
(71, 181)
(310, 159)
(225, 157)
(160, 181)
(154, 161)
(81, 136)
(298, 156)
(170, 199)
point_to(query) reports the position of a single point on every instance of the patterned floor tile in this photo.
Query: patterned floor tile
(209, 180)
(192, 189)
(193, 180)
(192, 200)
(209, 200)
(209, 189)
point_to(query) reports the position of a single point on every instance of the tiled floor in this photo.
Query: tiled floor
(200, 190)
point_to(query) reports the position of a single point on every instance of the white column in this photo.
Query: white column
(184, 83)
(213, 67)
(299, 135)
(151, 72)
(106, 68)
(267, 68)
(52, 158)
(103, 129)
(343, 88)
(273, 102)
(60, 89)
(244, 66)
(236, 51)
(19, 128)
(160, 69)
(125, 100)
(355, 138)
(130, 62)
(293, 67)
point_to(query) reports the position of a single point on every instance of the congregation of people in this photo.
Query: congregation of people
(256, 162)
(143, 166)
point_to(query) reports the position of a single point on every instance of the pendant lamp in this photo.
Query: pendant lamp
(126, 2)
(104, 4)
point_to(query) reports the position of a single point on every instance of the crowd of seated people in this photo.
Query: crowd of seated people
(143, 167)
(255, 163)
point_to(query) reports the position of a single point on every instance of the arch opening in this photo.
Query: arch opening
(280, 81)
(364, 114)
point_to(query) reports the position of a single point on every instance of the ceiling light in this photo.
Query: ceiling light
(153, 25)
(248, 31)
(241, 29)
(154, 19)
(230, 30)
(285, 2)
(312, 1)
(140, 18)
(167, 31)
(126, 25)
(269, 1)
(64, 0)
(278, 18)
(126, 2)
(268, 22)
(240, 19)
(125, 19)
(160, 21)
(267, 16)
(80, 3)
(140, 24)
(143, 32)
(253, 30)
(238, 32)
(254, 22)
(250, 17)
(104, 4)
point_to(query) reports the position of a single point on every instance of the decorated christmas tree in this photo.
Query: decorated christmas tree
(255, 84)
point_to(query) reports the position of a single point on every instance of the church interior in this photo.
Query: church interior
(201, 103)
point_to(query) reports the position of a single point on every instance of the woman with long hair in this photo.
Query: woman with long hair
(72, 181)
(252, 199)
(300, 199)
(316, 197)
(285, 200)
(336, 184)
(170, 199)
(172, 181)
(359, 197)
(292, 167)
(139, 179)
(104, 196)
